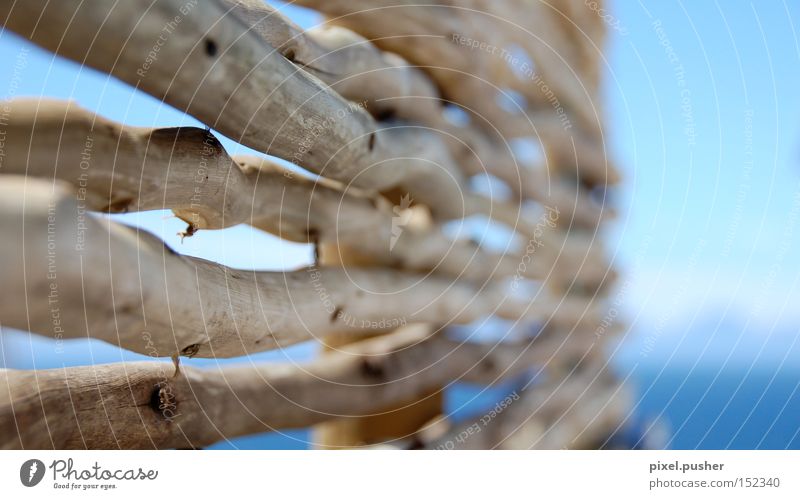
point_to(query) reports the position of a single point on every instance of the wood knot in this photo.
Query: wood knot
(336, 313)
(489, 364)
(386, 114)
(120, 205)
(211, 47)
(191, 350)
(163, 401)
(373, 368)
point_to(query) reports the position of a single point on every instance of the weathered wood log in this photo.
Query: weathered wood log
(117, 168)
(84, 277)
(142, 405)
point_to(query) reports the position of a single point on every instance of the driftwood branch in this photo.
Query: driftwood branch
(117, 168)
(85, 277)
(555, 347)
(142, 405)
(421, 35)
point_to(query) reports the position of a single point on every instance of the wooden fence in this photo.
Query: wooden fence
(376, 130)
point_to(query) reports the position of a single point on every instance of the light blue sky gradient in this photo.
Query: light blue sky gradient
(708, 227)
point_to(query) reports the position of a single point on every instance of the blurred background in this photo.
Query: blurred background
(704, 120)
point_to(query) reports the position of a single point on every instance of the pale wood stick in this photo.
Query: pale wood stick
(584, 426)
(574, 153)
(141, 405)
(118, 168)
(478, 155)
(85, 277)
(577, 257)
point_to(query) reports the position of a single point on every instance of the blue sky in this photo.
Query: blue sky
(708, 220)
(706, 238)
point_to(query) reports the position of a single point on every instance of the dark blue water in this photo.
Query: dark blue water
(727, 409)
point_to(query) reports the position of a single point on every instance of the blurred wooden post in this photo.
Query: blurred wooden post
(400, 420)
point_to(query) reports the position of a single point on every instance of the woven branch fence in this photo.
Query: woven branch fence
(375, 132)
